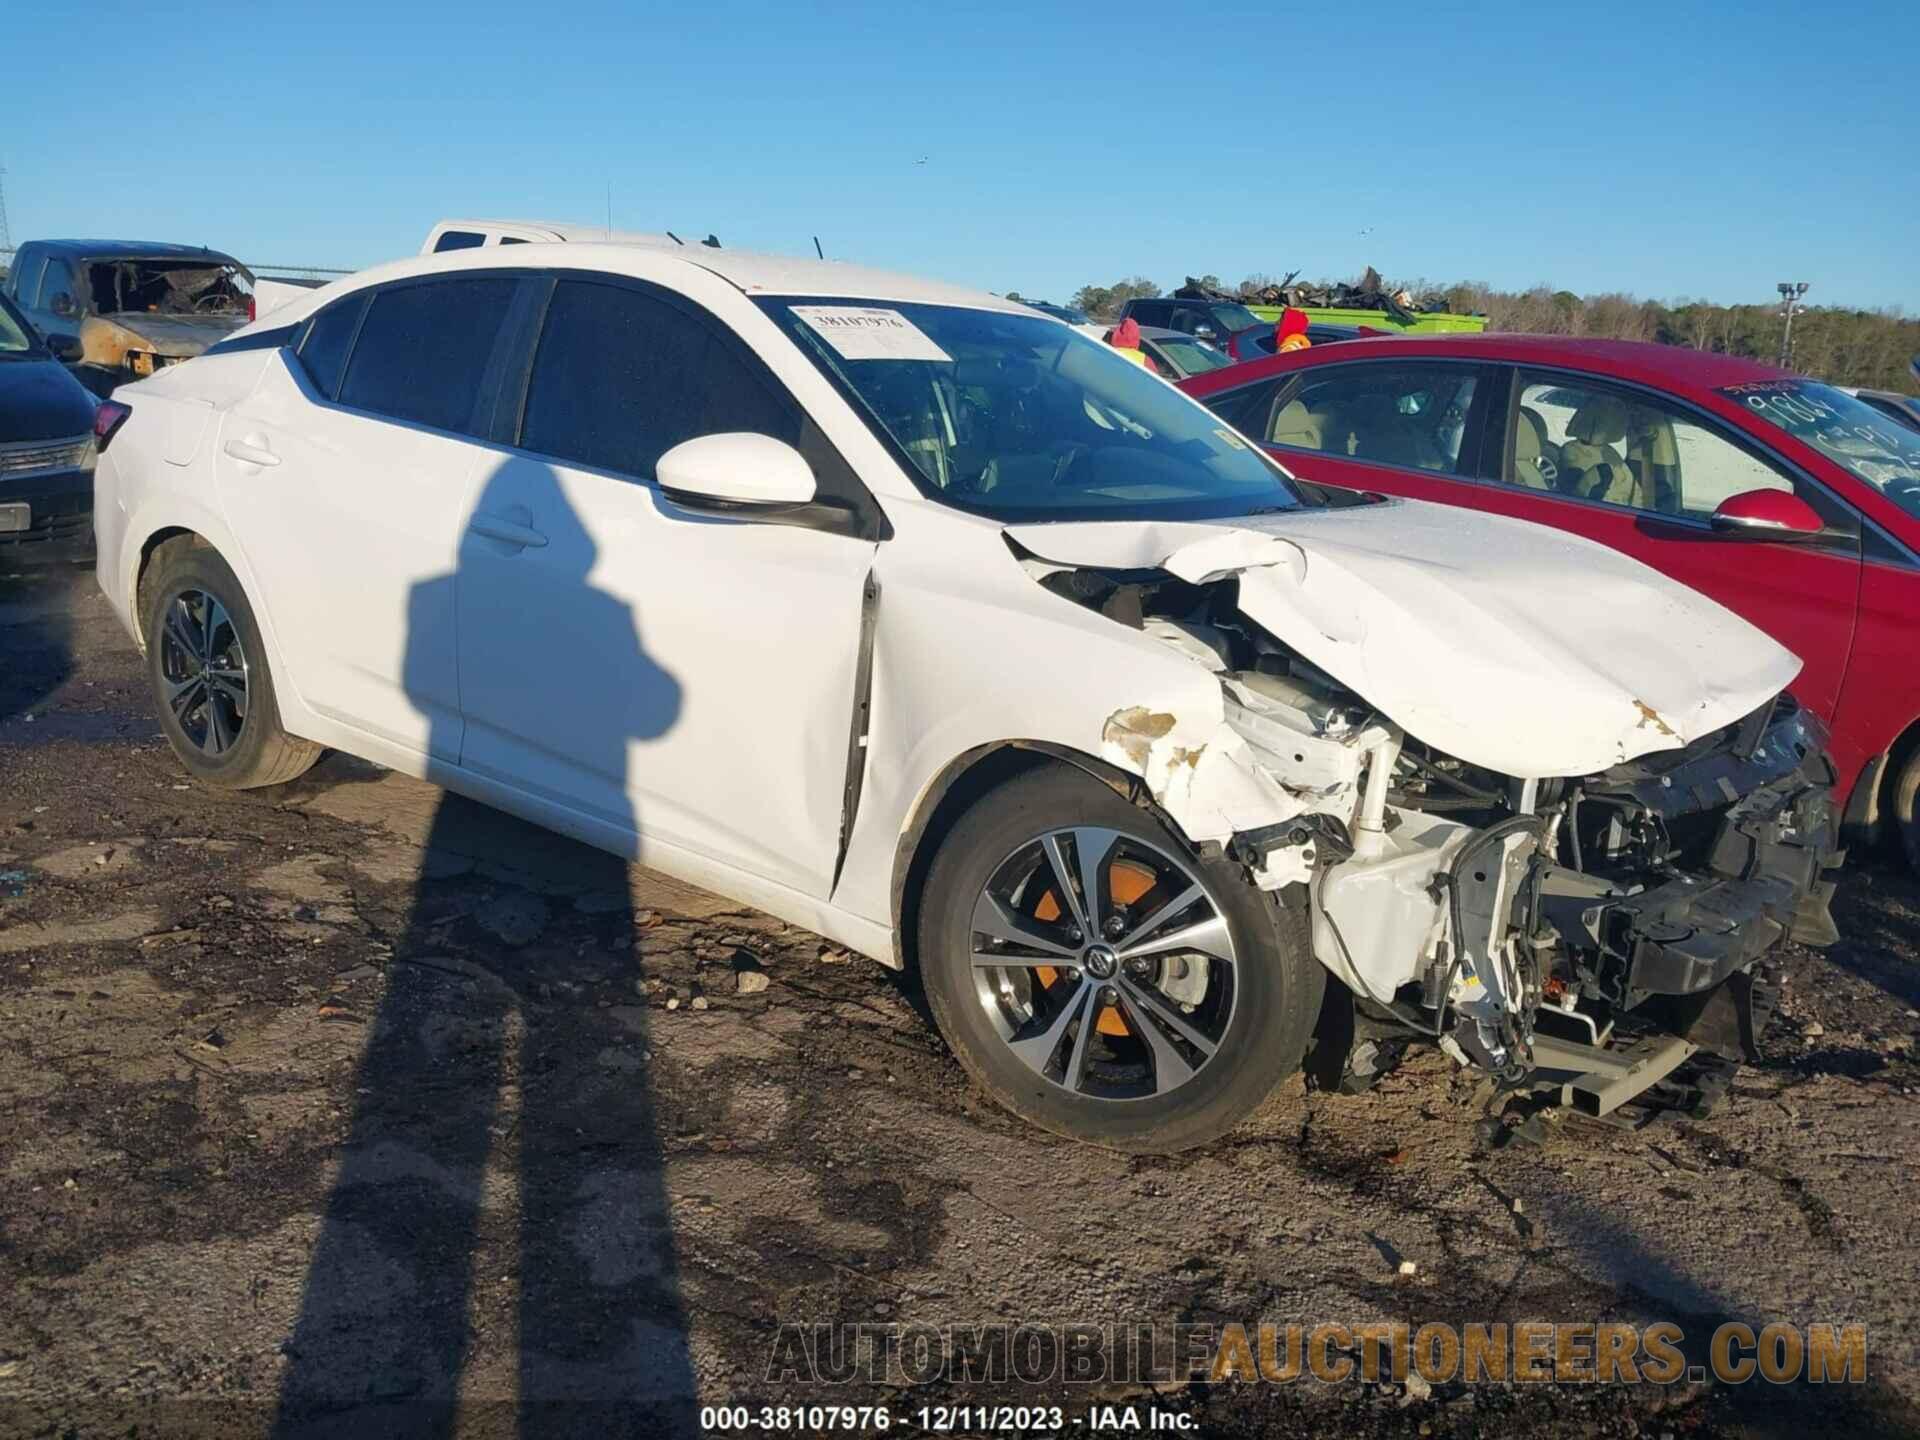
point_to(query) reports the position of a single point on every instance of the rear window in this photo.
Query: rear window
(423, 349)
(621, 377)
(323, 353)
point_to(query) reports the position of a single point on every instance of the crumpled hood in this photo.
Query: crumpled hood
(169, 334)
(1506, 644)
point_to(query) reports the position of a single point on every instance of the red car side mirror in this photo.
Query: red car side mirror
(1767, 515)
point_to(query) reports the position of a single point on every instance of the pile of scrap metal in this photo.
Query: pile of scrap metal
(1369, 293)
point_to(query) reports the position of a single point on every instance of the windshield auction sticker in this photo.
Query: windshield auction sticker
(858, 332)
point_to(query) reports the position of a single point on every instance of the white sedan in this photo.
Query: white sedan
(915, 618)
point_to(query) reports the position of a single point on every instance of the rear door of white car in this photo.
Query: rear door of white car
(688, 677)
(347, 474)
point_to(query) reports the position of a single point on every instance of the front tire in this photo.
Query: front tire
(1102, 980)
(1906, 809)
(208, 667)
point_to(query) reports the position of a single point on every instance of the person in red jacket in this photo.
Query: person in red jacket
(1291, 332)
(1125, 337)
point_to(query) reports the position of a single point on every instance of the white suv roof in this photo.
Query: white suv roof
(753, 272)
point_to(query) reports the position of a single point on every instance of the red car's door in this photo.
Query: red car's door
(1621, 466)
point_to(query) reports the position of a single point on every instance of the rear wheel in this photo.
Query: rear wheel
(209, 671)
(1102, 980)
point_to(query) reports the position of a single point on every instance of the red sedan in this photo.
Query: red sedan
(1789, 501)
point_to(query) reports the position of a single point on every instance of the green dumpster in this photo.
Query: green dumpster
(1434, 324)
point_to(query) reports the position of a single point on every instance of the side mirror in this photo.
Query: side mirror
(67, 349)
(1767, 515)
(62, 304)
(735, 471)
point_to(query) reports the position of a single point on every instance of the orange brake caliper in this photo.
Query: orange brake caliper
(1128, 883)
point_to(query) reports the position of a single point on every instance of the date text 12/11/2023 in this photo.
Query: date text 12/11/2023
(1028, 1420)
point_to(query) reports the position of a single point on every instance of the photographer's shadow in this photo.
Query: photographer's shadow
(481, 1135)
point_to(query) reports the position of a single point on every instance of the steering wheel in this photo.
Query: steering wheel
(212, 304)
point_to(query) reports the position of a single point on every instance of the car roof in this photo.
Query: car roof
(1678, 366)
(749, 272)
(558, 230)
(1160, 332)
(128, 250)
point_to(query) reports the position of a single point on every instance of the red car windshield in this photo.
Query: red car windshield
(1865, 443)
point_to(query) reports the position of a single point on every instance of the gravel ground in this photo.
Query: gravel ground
(352, 1109)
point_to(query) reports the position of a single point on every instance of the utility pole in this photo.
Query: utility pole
(6, 234)
(1790, 293)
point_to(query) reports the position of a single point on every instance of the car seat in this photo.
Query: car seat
(1655, 460)
(1536, 459)
(1300, 427)
(1597, 470)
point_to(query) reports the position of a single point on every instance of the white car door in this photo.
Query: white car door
(347, 474)
(686, 677)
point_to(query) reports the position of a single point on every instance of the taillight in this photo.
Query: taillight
(253, 310)
(107, 421)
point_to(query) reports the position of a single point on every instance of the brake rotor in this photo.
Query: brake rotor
(1128, 882)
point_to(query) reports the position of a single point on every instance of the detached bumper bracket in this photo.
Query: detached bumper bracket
(1596, 1081)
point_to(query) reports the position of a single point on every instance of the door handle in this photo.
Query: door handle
(509, 532)
(252, 450)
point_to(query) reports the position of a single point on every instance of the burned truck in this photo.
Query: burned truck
(135, 307)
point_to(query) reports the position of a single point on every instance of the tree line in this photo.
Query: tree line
(1871, 348)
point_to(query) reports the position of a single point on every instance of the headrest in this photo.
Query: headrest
(1601, 421)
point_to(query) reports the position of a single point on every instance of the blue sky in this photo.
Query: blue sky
(1678, 149)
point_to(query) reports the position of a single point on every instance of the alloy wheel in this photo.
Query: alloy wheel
(1103, 963)
(203, 670)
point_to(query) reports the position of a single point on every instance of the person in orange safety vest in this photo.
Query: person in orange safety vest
(1291, 332)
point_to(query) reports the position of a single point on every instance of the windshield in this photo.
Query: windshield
(1848, 431)
(1233, 318)
(1194, 357)
(169, 287)
(1021, 418)
(15, 338)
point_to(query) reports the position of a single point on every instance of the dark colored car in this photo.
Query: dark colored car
(134, 306)
(1791, 502)
(1058, 312)
(46, 448)
(1904, 408)
(1223, 324)
(1320, 332)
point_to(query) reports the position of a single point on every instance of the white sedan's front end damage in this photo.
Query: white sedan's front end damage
(1408, 723)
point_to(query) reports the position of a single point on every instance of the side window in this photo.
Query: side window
(621, 377)
(1245, 408)
(423, 349)
(1409, 415)
(25, 280)
(1596, 443)
(58, 281)
(458, 240)
(323, 353)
